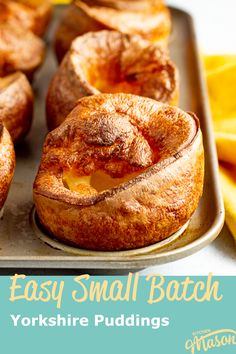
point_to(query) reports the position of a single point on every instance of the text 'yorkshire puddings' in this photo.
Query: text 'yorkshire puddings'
(121, 172)
(16, 105)
(148, 18)
(110, 62)
(7, 163)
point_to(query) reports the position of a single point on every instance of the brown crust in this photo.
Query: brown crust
(149, 19)
(121, 134)
(32, 15)
(7, 163)
(127, 63)
(16, 105)
(20, 50)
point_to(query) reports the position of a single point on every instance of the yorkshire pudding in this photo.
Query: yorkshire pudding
(7, 163)
(149, 19)
(20, 50)
(33, 15)
(16, 105)
(110, 62)
(121, 172)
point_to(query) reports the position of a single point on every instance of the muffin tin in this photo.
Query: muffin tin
(20, 246)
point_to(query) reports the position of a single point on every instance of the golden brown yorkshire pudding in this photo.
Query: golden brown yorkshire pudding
(7, 163)
(16, 105)
(110, 62)
(148, 18)
(121, 172)
(33, 15)
(20, 50)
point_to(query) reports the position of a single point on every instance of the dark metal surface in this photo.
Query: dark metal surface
(19, 246)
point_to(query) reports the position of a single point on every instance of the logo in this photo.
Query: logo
(204, 341)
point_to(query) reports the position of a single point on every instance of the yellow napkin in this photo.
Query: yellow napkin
(221, 80)
(61, 1)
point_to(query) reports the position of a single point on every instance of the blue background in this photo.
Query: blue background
(185, 318)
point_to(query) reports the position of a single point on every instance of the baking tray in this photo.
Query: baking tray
(19, 246)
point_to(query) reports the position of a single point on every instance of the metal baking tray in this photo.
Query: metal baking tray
(20, 248)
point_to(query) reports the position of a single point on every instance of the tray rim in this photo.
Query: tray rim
(147, 260)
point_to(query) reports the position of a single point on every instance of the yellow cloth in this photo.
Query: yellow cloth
(221, 80)
(61, 1)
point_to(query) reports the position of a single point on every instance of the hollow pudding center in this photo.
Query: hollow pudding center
(111, 80)
(95, 183)
(128, 65)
